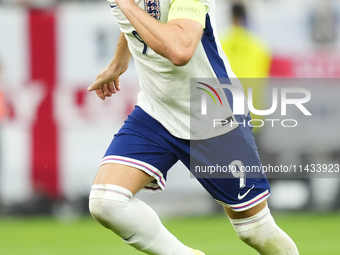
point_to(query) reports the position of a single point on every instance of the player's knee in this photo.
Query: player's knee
(247, 237)
(261, 233)
(108, 203)
(100, 211)
(247, 229)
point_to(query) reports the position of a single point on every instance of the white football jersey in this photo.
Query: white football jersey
(165, 88)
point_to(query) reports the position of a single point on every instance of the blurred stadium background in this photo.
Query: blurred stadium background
(53, 133)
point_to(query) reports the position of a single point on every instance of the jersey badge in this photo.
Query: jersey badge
(152, 7)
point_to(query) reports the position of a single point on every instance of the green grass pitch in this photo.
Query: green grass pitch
(315, 234)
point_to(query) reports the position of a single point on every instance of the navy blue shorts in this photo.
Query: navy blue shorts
(227, 166)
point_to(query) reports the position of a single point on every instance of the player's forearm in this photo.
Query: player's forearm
(167, 39)
(122, 56)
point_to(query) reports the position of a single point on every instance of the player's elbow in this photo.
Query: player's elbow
(180, 57)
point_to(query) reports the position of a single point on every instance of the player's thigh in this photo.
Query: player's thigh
(229, 168)
(245, 214)
(125, 176)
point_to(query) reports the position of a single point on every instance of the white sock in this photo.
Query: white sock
(133, 220)
(261, 232)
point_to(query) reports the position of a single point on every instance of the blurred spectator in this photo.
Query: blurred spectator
(2, 106)
(39, 3)
(3, 112)
(2, 100)
(324, 22)
(31, 3)
(249, 57)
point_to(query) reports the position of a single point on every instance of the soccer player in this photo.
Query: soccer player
(171, 42)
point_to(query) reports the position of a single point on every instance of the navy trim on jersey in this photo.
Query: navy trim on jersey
(217, 63)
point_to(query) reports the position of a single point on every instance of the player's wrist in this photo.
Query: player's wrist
(117, 67)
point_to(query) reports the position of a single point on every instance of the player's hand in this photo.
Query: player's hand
(106, 84)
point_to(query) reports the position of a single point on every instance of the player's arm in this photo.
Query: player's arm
(107, 81)
(176, 40)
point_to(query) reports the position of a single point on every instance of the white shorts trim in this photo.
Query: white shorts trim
(145, 167)
(249, 204)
